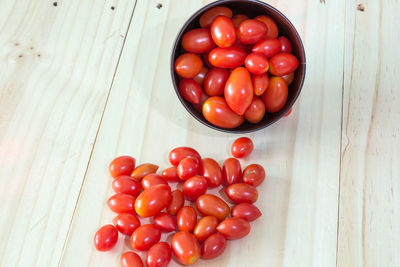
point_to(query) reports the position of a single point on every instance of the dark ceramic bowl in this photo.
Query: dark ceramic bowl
(251, 8)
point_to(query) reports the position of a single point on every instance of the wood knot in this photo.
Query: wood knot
(113, 7)
(55, 3)
(361, 7)
(159, 5)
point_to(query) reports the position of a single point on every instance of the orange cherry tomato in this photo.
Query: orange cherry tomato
(239, 90)
(272, 28)
(251, 31)
(208, 204)
(288, 113)
(152, 200)
(159, 255)
(131, 259)
(217, 112)
(211, 171)
(142, 170)
(205, 227)
(188, 65)
(197, 41)
(228, 57)
(214, 82)
(186, 219)
(237, 19)
(208, 17)
(126, 185)
(186, 248)
(126, 223)
(267, 47)
(122, 203)
(256, 63)
(231, 171)
(199, 78)
(188, 167)
(152, 179)
(122, 165)
(288, 78)
(255, 112)
(234, 228)
(194, 187)
(282, 64)
(179, 153)
(260, 83)
(176, 203)
(190, 90)
(242, 147)
(246, 211)
(276, 95)
(170, 174)
(165, 222)
(213, 246)
(254, 174)
(286, 45)
(242, 193)
(145, 236)
(223, 31)
(106, 238)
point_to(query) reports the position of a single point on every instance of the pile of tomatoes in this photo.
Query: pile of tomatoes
(212, 74)
(142, 193)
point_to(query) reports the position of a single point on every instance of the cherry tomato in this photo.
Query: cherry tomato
(106, 238)
(194, 187)
(282, 64)
(142, 170)
(126, 185)
(122, 203)
(199, 78)
(242, 147)
(260, 83)
(251, 31)
(159, 255)
(228, 57)
(276, 95)
(197, 41)
(152, 179)
(254, 174)
(217, 112)
(213, 246)
(286, 45)
(288, 113)
(239, 90)
(188, 167)
(234, 228)
(190, 90)
(188, 65)
(211, 171)
(242, 193)
(288, 78)
(179, 153)
(205, 227)
(186, 248)
(208, 17)
(207, 62)
(131, 259)
(268, 47)
(255, 112)
(237, 19)
(256, 63)
(122, 165)
(176, 203)
(186, 219)
(145, 236)
(152, 200)
(212, 205)
(165, 222)
(223, 31)
(214, 82)
(126, 223)
(246, 211)
(170, 174)
(272, 28)
(231, 171)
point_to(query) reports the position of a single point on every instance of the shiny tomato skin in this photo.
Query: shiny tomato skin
(142, 170)
(126, 223)
(214, 82)
(190, 90)
(165, 222)
(242, 193)
(199, 78)
(254, 174)
(234, 228)
(194, 187)
(145, 236)
(205, 227)
(272, 28)
(251, 31)
(256, 111)
(217, 112)
(282, 64)
(152, 179)
(213, 246)
(288, 113)
(267, 47)
(212, 205)
(256, 63)
(106, 238)
(152, 200)
(238, 90)
(231, 171)
(288, 78)
(159, 255)
(170, 174)
(286, 45)
(185, 247)
(228, 57)
(188, 65)
(127, 185)
(122, 203)
(179, 153)
(176, 203)
(211, 171)
(246, 211)
(260, 83)
(122, 165)
(188, 167)
(223, 31)
(242, 147)
(186, 219)
(276, 95)
(131, 259)
(208, 17)
(239, 18)
(197, 41)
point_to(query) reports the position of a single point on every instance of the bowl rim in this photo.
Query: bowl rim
(176, 44)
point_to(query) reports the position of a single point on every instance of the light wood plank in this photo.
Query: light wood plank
(57, 64)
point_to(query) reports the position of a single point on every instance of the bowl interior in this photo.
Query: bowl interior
(251, 8)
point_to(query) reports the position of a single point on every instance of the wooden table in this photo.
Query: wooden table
(84, 81)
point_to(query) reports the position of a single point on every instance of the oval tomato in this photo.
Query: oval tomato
(213, 246)
(151, 180)
(276, 95)
(251, 31)
(165, 222)
(256, 111)
(256, 63)
(131, 259)
(282, 64)
(288, 78)
(199, 78)
(211, 171)
(122, 165)
(237, 19)
(188, 65)
(205, 227)
(179, 153)
(254, 174)
(208, 17)
(194, 187)
(260, 83)
(228, 57)
(242, 147)
(126, 185)
(188, 167)
(159, 255)
(286, 46)
(186, 248)
(186, 219)
(197, 41)
(231, 171)
(272, 28)
(234, 228)
(288, 113)
(122, 203)
(142, 170)
(217, 112)
(246, 211)
(106, 238)
(152, 200)
(190, 90)
(242, 193)
(268, 47)
(145, 236)
(214, 82)
(176, 203)
(126, 223)
(239, 90)
(223, 31)
(170, 174)
(208, 204)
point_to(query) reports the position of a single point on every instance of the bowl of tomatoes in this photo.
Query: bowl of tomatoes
(238, 66)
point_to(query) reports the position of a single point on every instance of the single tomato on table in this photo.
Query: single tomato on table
(213, 246)
(194, 187)
(122, 165)
(126, 223)
(246, 211)
(205, 227)
(131, 259)
(152, 179)
(152, 200)
(145, 236)
(231, 171)
(242, 147)
(165, 222)
(211, 171)
(212, 205)
(106, 238)
(159, 255)
(254, 174)
(126, 185)
(242, 193)
(186, 219)
(188, 167)
(186, 248)
(234, 228)
(122, 203)
(170, 174)
(142, 170)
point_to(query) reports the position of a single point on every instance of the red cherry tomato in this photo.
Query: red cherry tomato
(288, 113)
(145, 236)
(288, 78)
(282, 64)
(239, 90)
(223, 31)
(165, 222)
(207, 62)
(268, 47)
(186, 219)
(152, 200)
(254, 174)
(231, 171)
(234, 228)
(122, 203)
(126, 185)
(106, 238)
(188, 167)
(205, 227)
(194, 187)
(190, 90)
(151, 180)
(213, 246)
(208, 17)
(197, 41)
(272, 28)
(217, 112)
(176, 203)
(131, 259)
(188, 65)
(276, 95)
(122, 165)
(214, 82)
(251, 31)
(256, 63)
(242, 193)
(186, 248)
(179, 153)
(242, 147)
(126, 223)
(170, 174)
(286, 45)
(228, 57)
(255, 112)
(212, 205)
(260, 83)
(237, 19)
(246, 211)
(159, 255)
(199, 78)
(142, 170)
(211, 171)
